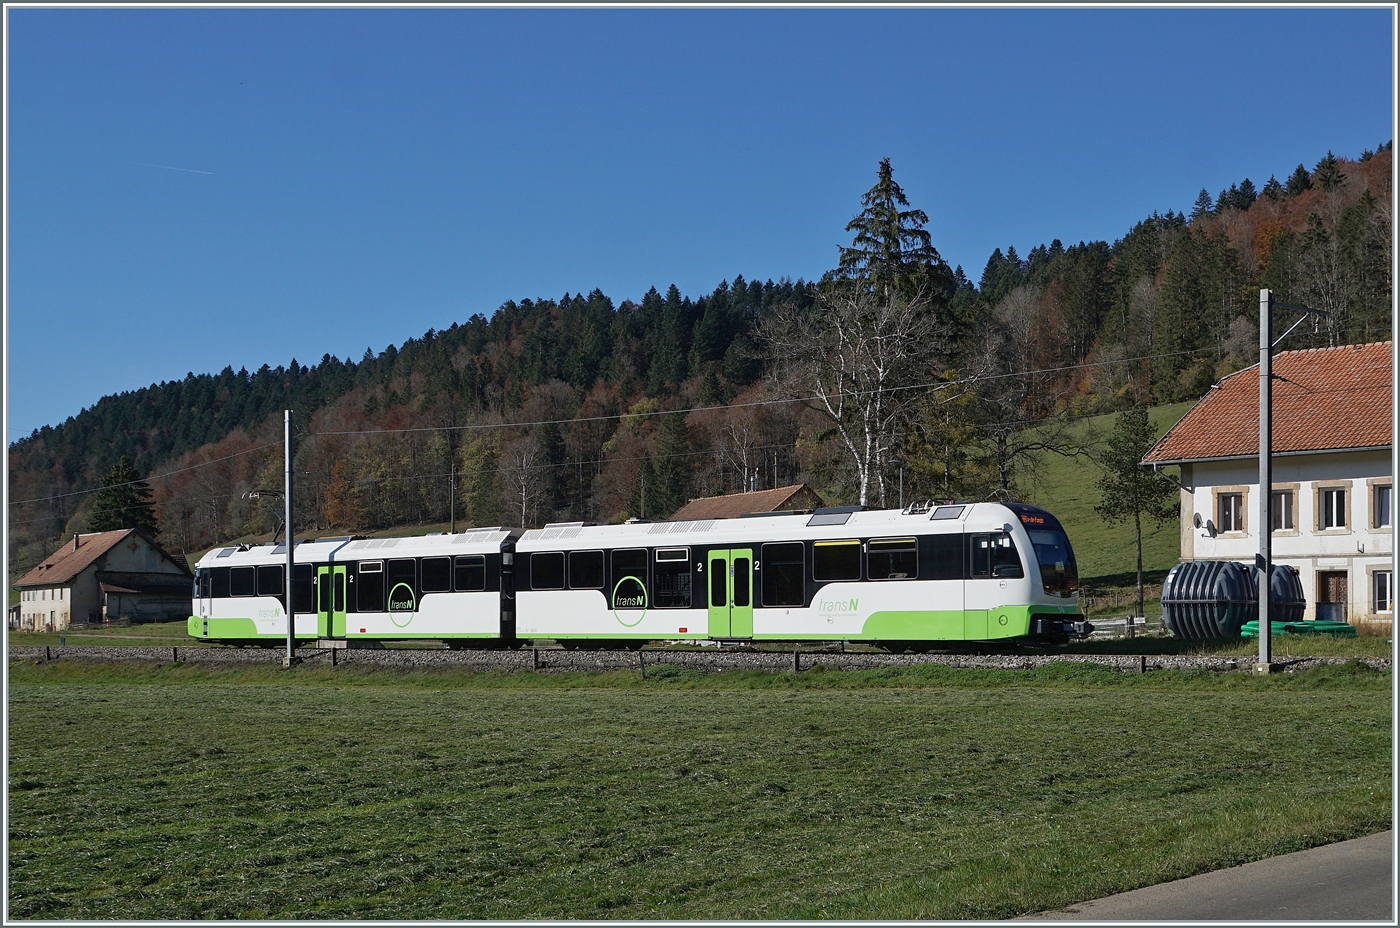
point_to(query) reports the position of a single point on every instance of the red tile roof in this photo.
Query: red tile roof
(1324, 399)
(779, 499)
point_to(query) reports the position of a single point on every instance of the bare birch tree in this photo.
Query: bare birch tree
(865, 360)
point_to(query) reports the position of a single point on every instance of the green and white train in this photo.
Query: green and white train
(901, 579)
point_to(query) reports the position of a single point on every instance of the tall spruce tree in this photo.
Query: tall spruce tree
(124, 502)
(891, 252)
(1129, 490)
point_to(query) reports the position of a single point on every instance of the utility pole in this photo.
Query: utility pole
(1264, 559)
(1266, 478)
(290, 659)
(452, 495)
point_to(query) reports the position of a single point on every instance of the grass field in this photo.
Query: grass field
(156, 792)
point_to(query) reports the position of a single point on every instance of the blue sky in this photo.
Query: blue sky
(190, 189)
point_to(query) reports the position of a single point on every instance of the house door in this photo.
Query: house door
(1332, 595)
(731, 593)
(330, 601)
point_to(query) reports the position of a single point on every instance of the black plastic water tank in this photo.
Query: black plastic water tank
(1213, 599)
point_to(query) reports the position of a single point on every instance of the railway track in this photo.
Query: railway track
(710, 660)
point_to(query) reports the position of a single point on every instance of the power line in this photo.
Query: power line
(619, 416)
(131, 483)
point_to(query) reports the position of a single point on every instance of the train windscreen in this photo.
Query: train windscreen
(1058, 572)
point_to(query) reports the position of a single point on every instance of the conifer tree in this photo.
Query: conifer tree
(1204, 204)
(1130, 490)
(670, 468)
(1247, 195)
(124, 502)
(1273, 189)
(1329, 172)
(1298, 181)
(891, 252)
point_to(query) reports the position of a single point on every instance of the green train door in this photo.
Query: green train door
(330, 601)
(731, 593)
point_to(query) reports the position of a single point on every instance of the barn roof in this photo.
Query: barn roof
(1324, 399)
(736, 504)
(78, 554)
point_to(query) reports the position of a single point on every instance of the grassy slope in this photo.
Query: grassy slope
(1105, 550)
(175, 792)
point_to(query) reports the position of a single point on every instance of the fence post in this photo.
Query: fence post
(796, 661)
(642, 662)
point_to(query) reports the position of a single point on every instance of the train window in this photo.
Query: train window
(370, 580)
(218, 582)
(205, 582)
(470, 573)
(303, 588)
(783, 573)
(892, 558)
(672, 578)
(401, 577)
(741, 581)
(270, 580)
(585, 570)
(719, 575)
(1005, 561)
(979, 556)
(836, 560)
(629, 578)
(547, 570)
(945, 560)
(437, 574)
(242, 581)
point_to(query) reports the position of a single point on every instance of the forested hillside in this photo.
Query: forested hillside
(557, 409)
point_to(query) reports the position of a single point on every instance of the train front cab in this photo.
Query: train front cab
(1053, 610)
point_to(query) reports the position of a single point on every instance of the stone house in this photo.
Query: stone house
(104, 576)
(1331, 495)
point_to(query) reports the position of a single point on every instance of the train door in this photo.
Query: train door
(205, 589)
(330, 601)
(731, 593)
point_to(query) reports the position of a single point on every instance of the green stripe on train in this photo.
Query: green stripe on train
(223, 628)
(957, 624)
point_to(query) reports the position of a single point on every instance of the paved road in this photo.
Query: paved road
(1350, 880)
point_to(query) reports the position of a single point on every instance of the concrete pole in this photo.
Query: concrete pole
(1266, 476)
(291, 545)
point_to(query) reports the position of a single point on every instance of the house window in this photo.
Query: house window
(1231, 512)
(1333, 506)
(1281, 510)
(1381, 594)
(1380, 504)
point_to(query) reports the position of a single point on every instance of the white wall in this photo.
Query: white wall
(1358, 549)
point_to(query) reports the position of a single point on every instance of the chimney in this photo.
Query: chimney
(75, 541)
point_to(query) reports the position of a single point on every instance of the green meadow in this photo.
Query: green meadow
(179, 791)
